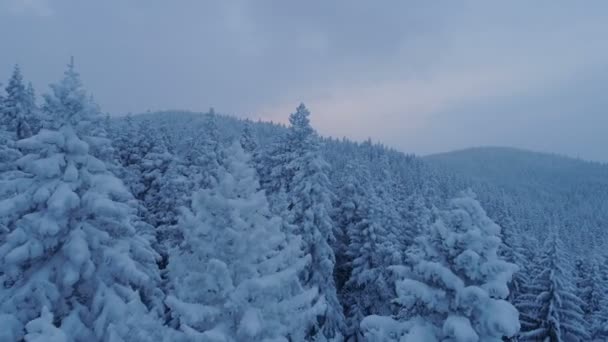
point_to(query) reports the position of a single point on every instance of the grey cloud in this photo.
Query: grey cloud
(401, 72)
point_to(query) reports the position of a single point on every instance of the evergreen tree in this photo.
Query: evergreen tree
(18, 110)
(415, 219)
(456, 285)
(154, 169)
(73, 252)
(172, 195)
(551, 298)
(236, 274)
(302, 177)
(349, 198)
(592, 290)
(385, 186)
(597, 312)
(8, 153)
(513, 251)
(35, 118)
(248, 141)
(128, 152)
(203, 155)
(371, 252)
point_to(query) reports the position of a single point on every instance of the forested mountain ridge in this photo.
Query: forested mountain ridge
(178, 226)
(512, 167)
(540, 189)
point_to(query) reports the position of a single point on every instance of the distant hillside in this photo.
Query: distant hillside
(509, 167)
(540, 189)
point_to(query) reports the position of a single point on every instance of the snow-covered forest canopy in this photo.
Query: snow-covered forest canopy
(180, 226)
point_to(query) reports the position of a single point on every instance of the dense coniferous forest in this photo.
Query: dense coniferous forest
(181, 226)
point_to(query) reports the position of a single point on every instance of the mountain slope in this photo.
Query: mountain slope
(540, 190)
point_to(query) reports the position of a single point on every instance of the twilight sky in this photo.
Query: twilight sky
(421, 76)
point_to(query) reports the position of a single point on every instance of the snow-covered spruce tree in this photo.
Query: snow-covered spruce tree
(363, 250)
(456, 285)
(18, 111)
(203, 155)
(552, 299)
(272, 164)
(148, 169)
(349, 197)
(173, 194)
(124, 138)
(368, 290)
(9, 171)
(145, 143)
(415, 219)
(211, 149)
(301, 175)
(599, 318)
(132, 142)
(248, 141)
(593, 290)
(73, 248)
(383, 184)
(8, 130)
(17, 118)
(236, 274)
(154, 168)
(512, 250)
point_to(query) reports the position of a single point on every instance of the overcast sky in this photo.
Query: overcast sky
(422, 76)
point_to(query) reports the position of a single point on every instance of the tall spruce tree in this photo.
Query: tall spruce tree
(370, 251)
(73, 253)
(551, 299)
(455, 288)
(18, 111)
(301, 180)
(598, 315)
(235, 277)
(247, 140)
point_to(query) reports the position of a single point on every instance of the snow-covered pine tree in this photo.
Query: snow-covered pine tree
(415, 219)
(301, 176)
(154, 167)
(599, 318)
(349, 196)
(248, 141)
(9, 154)
(173, 194)
(31, 96)
(236, 274)
(384, 185)
(513, 251)
(8, 135)
(368, 290)
(18, 112)
(585, 289)
(144, 167)
(552, 300)
(36, 118)
(455, 288)
(203, 155)
(211, 147)
(132, 141)
(73, 248)
(592, 290)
